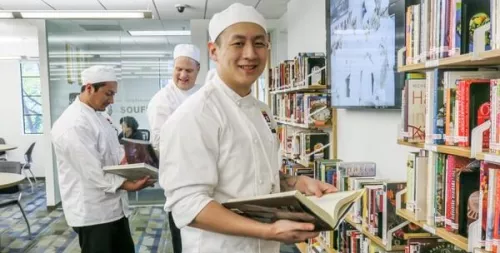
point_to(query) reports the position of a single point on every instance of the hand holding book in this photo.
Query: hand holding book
(310, 186)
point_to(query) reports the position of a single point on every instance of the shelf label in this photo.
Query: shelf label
(429, 229)
(492, 158)
(432, 63)
(430, 147)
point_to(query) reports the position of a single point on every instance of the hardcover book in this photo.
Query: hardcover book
(325, 212)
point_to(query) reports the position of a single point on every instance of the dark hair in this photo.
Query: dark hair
(130, 122)
(95, 85)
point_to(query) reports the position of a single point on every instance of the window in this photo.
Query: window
(31, 97)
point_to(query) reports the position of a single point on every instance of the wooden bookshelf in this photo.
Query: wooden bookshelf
(304, 126)
(314, 87)
(375, 239)
(302, 247)
(453, 238)
(491, 57)
(411, 144)
(450, 150)
(323, 245)
(481, 251)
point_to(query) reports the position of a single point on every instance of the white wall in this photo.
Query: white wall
(17, 38)
(363, 135)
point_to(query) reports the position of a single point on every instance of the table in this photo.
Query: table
(10, 179)
(7, 147)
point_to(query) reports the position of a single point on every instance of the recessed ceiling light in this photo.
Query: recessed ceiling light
(6, 14)
(161, 33)
(62, 14)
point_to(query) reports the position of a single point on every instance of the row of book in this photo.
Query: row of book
(312, 109)
(306, 69)
(445, 28)
(304, 144)
(456, 193)
(375, 214)
(444, 106)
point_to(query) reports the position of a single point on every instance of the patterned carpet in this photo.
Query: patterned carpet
(50, 233)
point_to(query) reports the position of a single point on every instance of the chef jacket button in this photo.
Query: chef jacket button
(238, 103)
(254, 140)
(260, 181)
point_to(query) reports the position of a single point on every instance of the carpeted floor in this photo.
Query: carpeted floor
(50, 233)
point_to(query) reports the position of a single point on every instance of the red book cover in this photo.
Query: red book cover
(483, 114)
(455, 164)
(472, 94)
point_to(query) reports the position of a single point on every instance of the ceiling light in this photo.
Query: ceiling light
(60, 14)
(10, 57)
(6, 14)
(161, 33)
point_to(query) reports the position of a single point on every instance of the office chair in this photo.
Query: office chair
(3, 154)
(13, 167)
(27, 166)
(145, 134)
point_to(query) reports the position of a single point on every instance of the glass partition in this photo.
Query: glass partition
(144, 64)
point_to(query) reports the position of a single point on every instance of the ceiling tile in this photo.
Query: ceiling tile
(167, 9)
(215, 6)
(23, 5)
(75, 5)
(127, 4)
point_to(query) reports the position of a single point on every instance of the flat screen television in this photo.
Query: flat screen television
(363, 37)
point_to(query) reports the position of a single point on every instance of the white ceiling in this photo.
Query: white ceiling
(162, 9)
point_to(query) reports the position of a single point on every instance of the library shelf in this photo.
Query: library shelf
(450, 150)
(377, 240)
(491, 57)
(323, 245)
(411, 144)
(313, 87)
(298, 125)
(302, 247)
(481, 251)
(452, 238)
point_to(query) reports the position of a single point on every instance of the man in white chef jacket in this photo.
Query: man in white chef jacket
(165, 101)
(221, 144)
(95, 204)
(183, 85)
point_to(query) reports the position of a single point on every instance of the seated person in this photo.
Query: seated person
(129, 129)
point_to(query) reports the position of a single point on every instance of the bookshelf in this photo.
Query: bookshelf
(377, 240)
(455, 239)
(486, 58)
(300, 88)
(452, 115)
(302, 247)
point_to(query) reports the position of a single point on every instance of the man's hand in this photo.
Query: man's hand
(290, 232)
(310, 186)
(138, 184)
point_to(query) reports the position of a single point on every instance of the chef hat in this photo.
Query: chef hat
(98, 74)
(187, 50)
(235, 13)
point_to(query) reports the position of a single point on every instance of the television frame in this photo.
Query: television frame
(396, 8)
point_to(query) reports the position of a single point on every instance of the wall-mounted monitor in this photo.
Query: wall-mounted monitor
(363, 37)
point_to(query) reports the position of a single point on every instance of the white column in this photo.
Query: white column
(51, 181)
(199, 37)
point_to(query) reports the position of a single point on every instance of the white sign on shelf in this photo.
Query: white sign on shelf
(431, 147)
(430, 229)
(432, 63)
(492, 158)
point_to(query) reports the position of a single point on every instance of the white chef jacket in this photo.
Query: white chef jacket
(84, 142)
(217, 146)
(162, 105)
